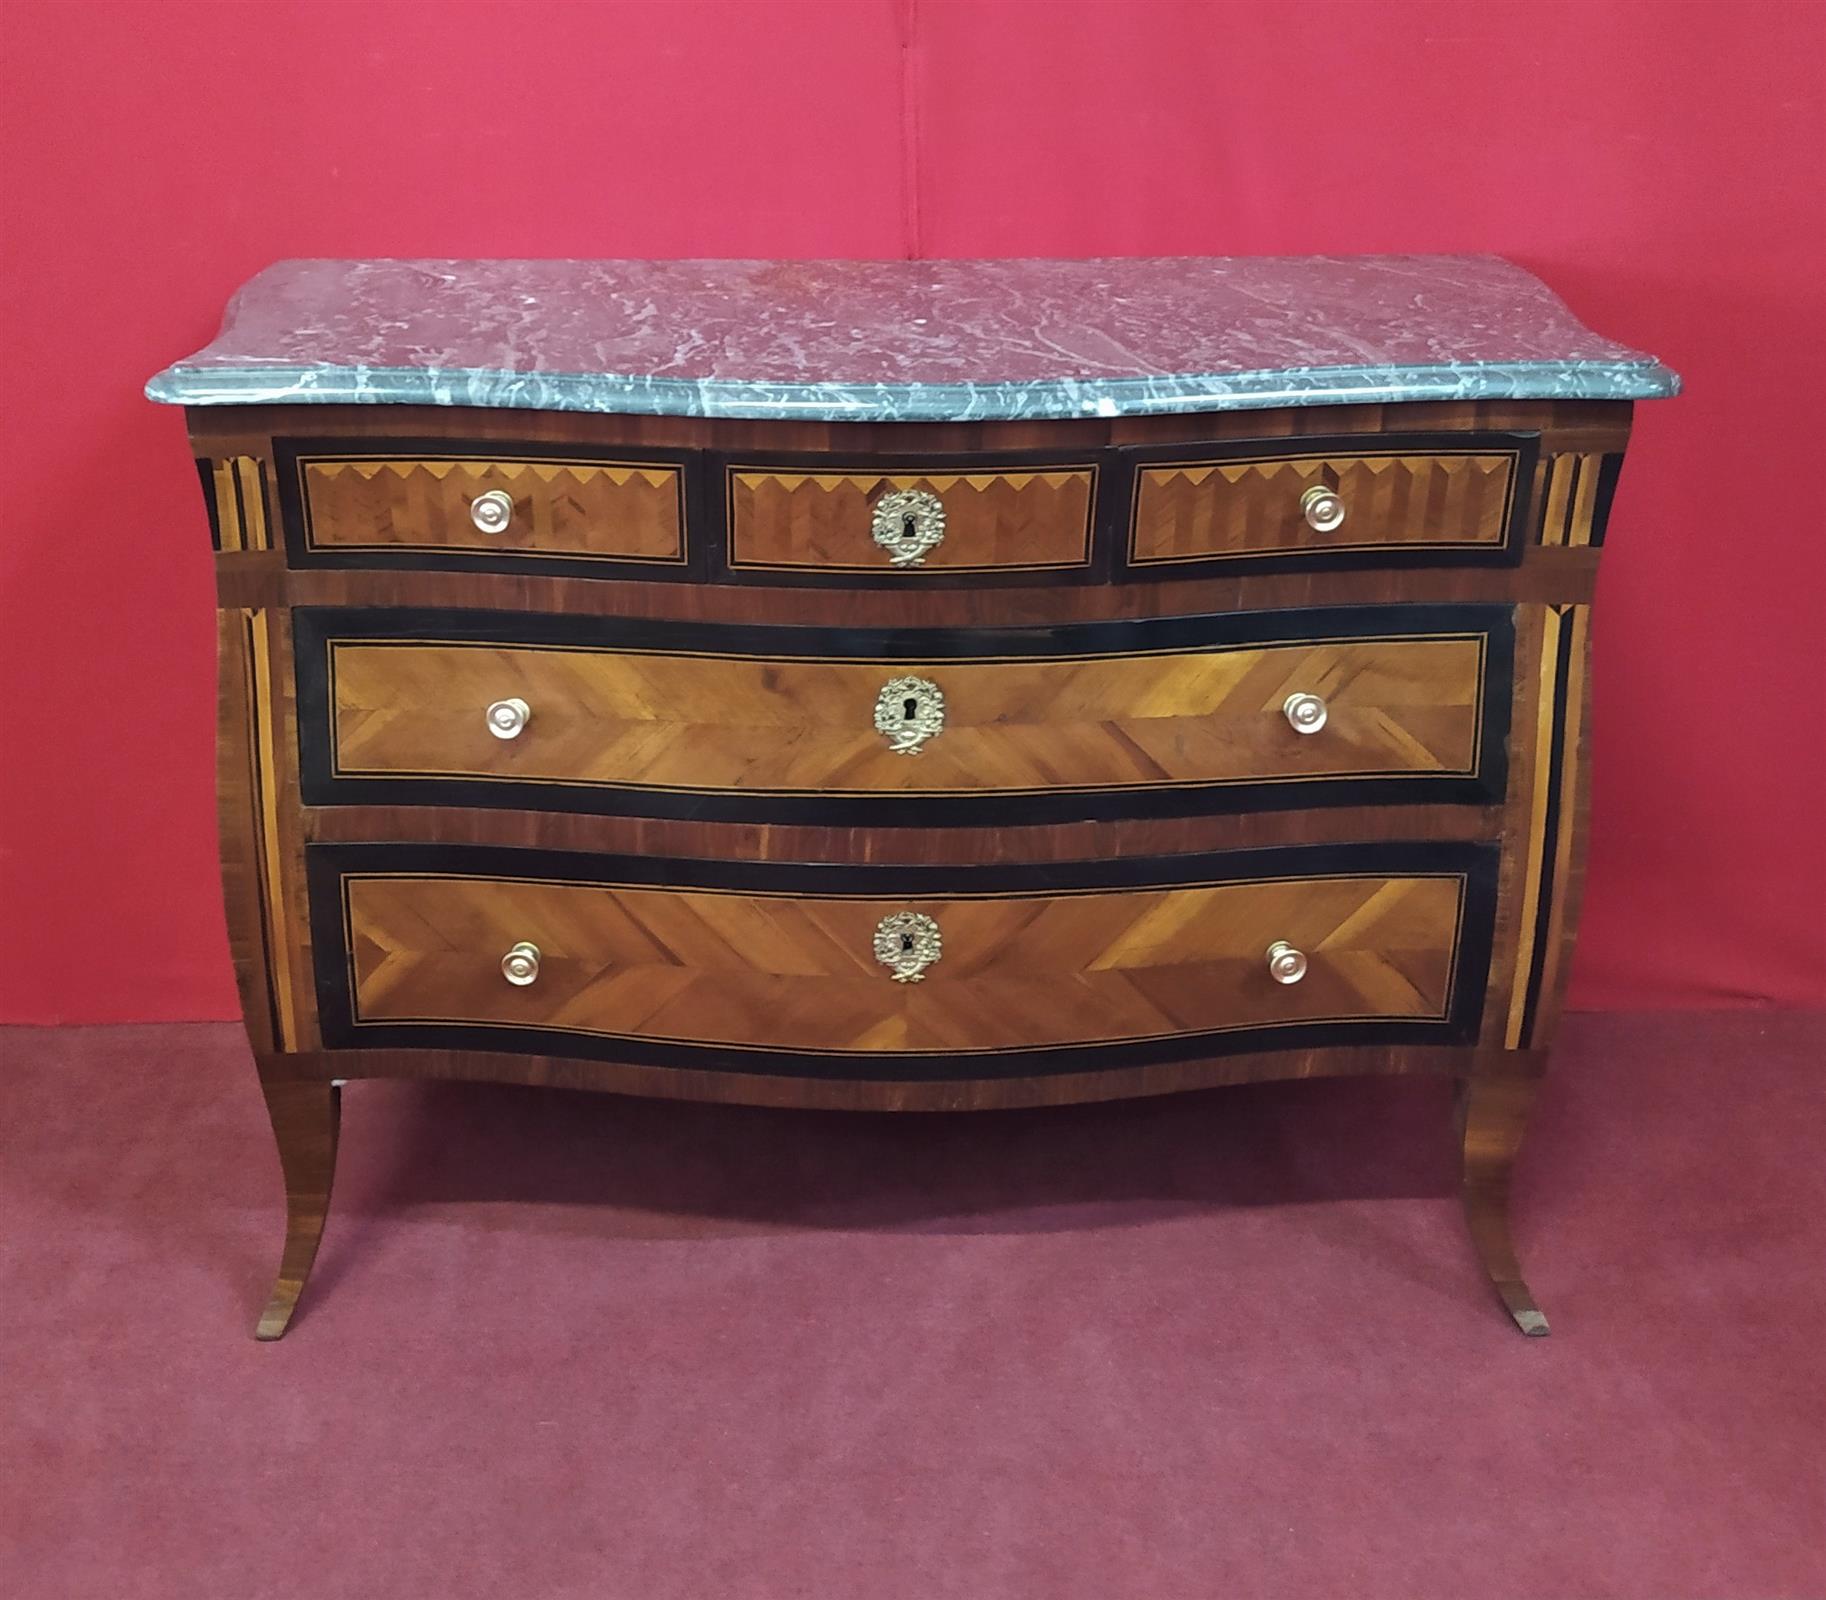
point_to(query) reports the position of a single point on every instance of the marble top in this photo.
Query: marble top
(904, 340)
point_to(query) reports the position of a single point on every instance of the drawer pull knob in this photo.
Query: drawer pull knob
(1305, 713)
(906, 943)
(506, 718)
(907, 523)
(908, 712)
(520, 966)
(1323, 510)
(1285, 964)
(491, 512)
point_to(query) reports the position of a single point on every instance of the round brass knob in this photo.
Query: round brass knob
(1305, 713)
(506, 718)
(491, 512)
(1323, 510)
(520, 966)
(1285, 964)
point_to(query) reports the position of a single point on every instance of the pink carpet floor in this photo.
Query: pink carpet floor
(1232, 1344)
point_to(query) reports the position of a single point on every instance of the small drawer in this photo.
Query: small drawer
(901, 526)
(907, 971)
(504, 509)
(1313, 708)
(1306, 500)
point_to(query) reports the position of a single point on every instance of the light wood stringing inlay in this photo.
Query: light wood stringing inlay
(272, 863)
(1570, 501)
(237, 487)
(797, 973)
(1201, 511)
(624, 511)
(1008, 519)
(1405, 705)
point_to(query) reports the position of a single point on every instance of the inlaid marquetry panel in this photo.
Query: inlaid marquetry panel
(798, 972)
(234, 491)
(1576, 492)
(625, 511)
(674, 721)
(1546, 849)
(821, 521)
(1225, 509)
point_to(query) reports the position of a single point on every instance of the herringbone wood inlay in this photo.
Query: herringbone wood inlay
(1404, 705)
(992, 519)
(1198, 511)
(789, 972)
(630, 512)
(779, 972)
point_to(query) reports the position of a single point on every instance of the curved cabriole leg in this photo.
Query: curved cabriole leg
(1492, 1115)
(305, 1121)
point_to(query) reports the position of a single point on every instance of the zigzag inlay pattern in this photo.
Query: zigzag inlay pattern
(798, 973)
(626, 511)
(739, 724)
(995, 519)
(1198, 511)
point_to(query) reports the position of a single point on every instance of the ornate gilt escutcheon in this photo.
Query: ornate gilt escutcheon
(906, 943)
(907, 523)
(908, 712)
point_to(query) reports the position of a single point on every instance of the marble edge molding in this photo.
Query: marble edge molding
(1043, 400)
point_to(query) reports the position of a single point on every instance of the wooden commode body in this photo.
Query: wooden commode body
(904, 686)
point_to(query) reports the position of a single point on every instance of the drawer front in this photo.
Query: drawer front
(1302, 500)
(884, 972)
(793, 723)
(505, 508)
(903, 527)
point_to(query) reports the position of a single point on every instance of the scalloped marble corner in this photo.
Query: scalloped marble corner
(905, 341)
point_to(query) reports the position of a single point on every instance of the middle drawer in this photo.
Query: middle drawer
(1343, 706)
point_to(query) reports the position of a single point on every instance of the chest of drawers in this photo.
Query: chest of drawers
(904, 686)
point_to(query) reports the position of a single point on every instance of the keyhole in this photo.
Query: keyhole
(906, 943)
(909, 709)
(908, 530)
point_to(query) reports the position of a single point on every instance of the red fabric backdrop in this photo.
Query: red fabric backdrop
(1660, 164)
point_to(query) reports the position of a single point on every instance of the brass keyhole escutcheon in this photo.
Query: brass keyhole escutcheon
(908, 712)
(907, 523)
(906, 943)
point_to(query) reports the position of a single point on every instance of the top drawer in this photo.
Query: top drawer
(507, 507)
(980, 517)
(1369, 500)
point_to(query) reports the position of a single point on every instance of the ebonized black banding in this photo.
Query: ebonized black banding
(1610, 468)
(1550, 831)
(1404, 554)
(291, 454)
(328, 865)
(314, 629)
(206, 471)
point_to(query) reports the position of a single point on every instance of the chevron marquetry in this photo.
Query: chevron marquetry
(627, 511)
(702, 831)
(1196, 511)
(798, 973)
(992, 519)
(1405, 705)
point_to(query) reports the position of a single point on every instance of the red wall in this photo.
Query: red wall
(1661, 165)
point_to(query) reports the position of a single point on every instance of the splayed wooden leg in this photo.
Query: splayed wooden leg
(305, 1117)
(1492, 1116)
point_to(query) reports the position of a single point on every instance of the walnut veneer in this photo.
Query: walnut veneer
(723, 854)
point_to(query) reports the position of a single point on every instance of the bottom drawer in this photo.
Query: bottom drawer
(900, 972)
